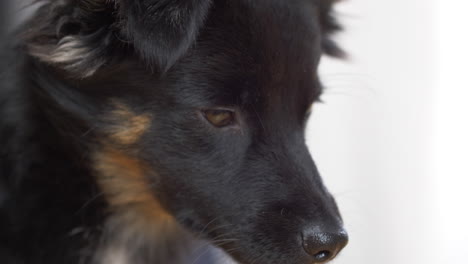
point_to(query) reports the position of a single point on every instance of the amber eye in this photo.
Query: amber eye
(219, 118)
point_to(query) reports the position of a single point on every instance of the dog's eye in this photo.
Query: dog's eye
(219, 118)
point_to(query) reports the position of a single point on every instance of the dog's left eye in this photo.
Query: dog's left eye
(219, 118)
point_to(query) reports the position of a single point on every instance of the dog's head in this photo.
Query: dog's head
(202, 106)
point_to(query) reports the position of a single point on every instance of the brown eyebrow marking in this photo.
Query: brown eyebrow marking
(126, 127)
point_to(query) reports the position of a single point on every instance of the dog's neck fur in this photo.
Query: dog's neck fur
(133, 228)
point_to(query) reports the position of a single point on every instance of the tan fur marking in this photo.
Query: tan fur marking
(124, 183)
(129, 126)
(139, 227)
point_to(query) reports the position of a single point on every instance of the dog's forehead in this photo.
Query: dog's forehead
(265, 49)
(287, 37)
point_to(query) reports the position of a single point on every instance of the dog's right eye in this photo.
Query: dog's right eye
(219, 118)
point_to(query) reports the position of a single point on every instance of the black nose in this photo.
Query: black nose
(323, 246)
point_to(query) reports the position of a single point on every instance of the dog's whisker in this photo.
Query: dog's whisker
(218, 228)
(209, 223)
(88, 202)
(225, 239)
(259, 118)
(87, 132)
(222, 236)
(232, 250)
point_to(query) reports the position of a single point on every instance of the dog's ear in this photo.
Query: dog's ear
(72, 35)
(82, 36)
(163, 30)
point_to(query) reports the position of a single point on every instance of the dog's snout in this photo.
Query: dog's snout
(322, 245)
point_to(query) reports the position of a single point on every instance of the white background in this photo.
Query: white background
(391, 139)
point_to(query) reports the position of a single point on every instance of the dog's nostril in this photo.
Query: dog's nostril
(323, 246)
(323, 255)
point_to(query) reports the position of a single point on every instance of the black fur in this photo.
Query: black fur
(94, 93)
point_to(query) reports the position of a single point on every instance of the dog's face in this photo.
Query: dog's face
(219, 120)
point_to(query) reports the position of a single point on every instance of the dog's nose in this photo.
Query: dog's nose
(323, 246)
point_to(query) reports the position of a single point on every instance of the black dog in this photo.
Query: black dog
(132, 129)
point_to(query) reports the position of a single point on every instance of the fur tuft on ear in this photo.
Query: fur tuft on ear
(163, 30)
(78, 55)
(76, 36)
(330, 26)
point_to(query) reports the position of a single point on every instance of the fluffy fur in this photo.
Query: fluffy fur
(107, 156)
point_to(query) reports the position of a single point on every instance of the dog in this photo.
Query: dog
(135, 131)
